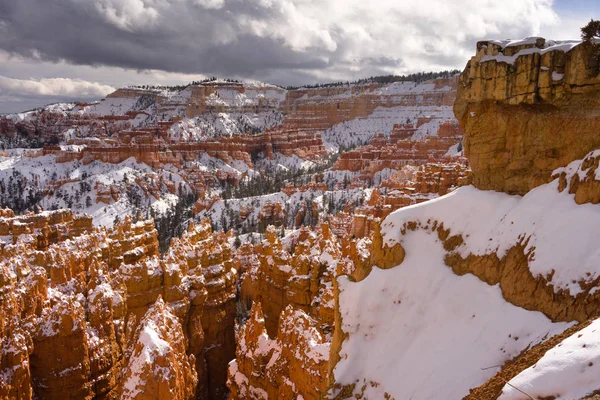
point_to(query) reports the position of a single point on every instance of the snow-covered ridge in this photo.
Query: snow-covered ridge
(546, 47)
(62, 108)
(561, 233)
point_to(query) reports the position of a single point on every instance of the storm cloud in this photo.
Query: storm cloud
(280, 41)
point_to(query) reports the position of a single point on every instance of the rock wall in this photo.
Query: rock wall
(521, 103)
(156, 152)
(321, 108)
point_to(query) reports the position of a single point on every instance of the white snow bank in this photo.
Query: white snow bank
(567, 371)
(419, 331)
(563, 235)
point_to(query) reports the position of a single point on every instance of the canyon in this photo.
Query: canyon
(136, 318)
(322, 243)
(506, 286)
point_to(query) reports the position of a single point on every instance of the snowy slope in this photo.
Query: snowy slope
(567, 371)
(63, 108)
(223, 124)
(253, 95)
(562, 234)
(418, 331)
(111, 106)
(281, 162)
(360, 130)
(293, 202)
(40, 171)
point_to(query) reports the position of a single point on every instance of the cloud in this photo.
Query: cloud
(208, 4)
(263, 38)
(52, 88)
(127, 15)
(288, 42)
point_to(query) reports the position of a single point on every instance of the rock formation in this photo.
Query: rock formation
(293, 364)
(301, 277)
(520, 103)
(514, 98)
(400, 150)
(118, 321)
(94, 312)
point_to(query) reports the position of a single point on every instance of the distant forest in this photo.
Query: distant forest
(417, 77)
(177, 88)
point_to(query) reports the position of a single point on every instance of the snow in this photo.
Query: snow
(38, 173)
(228, 124)
(282, 162)
(28, 115)
(252, 96)
(530, 40)
(550, 45)
(149, 346)
(256, 203)
(111, 106)
(360, 130)
(453, 151)
(419, 331)
(567, 371)
(562, 235)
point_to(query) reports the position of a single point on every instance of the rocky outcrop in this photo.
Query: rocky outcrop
(157, 365)
(210, 255)
(520, 103)
(290, 365)
(529, 113)
(581, 178)
(157, 151)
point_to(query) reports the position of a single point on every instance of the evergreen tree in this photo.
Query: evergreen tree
(591, 30)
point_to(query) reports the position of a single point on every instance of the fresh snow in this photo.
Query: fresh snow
(562, 234)
(39, 171)
(359, 131)
(151, 345)
(550, 45)
(567, 371)
(282, 162)
(418, 331)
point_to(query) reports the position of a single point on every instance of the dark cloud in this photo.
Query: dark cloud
(288, 42)
(247, 38)
(184, 37)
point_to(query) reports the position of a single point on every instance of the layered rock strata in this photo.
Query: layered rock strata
(527, 108)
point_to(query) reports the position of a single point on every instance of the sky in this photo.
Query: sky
(66, 50)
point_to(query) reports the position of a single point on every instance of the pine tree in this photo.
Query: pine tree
(590, 31)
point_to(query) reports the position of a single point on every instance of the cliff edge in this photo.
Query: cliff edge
(527, 108)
